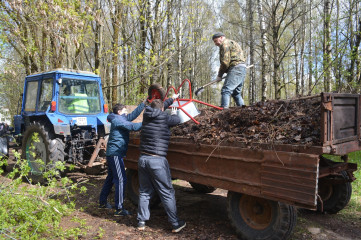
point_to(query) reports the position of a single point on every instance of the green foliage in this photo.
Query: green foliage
(34, 211)
(100, 234)
(355, 204)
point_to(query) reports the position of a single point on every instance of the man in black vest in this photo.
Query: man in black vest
(153, 168)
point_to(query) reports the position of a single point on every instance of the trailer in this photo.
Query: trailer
(267, 182)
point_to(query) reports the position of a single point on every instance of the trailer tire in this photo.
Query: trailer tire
(259, 218)
(133, 189)
(45, 148)
(156, 91)
(202, 188)
(335, 197)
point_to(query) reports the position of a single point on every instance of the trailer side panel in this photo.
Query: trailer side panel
(282, 176)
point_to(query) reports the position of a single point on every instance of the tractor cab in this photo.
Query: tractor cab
(79, 97)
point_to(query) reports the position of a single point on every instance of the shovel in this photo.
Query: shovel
(201, 89)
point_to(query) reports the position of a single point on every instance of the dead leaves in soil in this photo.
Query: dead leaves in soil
(280, 122)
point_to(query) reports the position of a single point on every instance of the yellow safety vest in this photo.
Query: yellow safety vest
(79, 105)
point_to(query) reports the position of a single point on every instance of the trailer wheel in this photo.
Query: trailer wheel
(133, 189)
(259, 218)
(335, 196)
(40, 151)
(156, 91)
(202, 188)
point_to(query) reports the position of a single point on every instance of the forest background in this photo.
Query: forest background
(297, 47)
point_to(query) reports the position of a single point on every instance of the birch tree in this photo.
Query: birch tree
(263, 50)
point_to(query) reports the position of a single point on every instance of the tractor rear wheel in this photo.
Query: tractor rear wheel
(259, 218)
(41, 151)
(133, 189)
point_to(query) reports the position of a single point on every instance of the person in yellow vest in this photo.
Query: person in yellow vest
(79, 103)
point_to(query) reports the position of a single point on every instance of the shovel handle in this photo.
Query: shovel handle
(210, 83)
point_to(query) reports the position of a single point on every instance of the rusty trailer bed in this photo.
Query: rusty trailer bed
(285, 173)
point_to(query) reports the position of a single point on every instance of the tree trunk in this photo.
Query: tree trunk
(98, 43)
(310, 58)
(116, 21)
(143, 42)
(263, 52)
(179, 36)
(295, 47)
(170, 40)
(327, 46)
(354, 54)
(251, 92)
(276, 64)
(337, 66)
(303, 39)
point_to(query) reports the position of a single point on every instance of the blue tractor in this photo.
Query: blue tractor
(63, 118)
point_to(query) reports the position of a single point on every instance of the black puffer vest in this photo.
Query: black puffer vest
(155, 133)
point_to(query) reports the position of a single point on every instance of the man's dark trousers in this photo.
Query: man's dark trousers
(155, 177)
(117, 176)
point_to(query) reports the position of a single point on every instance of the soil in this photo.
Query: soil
(205, 214)
(275, 121)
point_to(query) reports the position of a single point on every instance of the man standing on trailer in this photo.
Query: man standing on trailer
(232, 62)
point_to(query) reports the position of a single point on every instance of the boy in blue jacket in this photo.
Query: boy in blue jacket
(121, 125)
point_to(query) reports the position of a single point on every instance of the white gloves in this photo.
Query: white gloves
(174, 111)
(218, 79)
(175, 96)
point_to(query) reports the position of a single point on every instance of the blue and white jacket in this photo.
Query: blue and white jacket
(120, 127)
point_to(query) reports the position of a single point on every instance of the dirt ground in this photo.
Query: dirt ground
(205, 214)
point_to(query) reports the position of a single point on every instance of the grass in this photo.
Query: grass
(354, 207)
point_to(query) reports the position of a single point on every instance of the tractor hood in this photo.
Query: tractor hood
(62, 123)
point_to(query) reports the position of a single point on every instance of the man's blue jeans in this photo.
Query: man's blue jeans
(117, 176)
(233, 85)
(155, 178)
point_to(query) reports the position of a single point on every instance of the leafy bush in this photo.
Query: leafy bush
(34, 211)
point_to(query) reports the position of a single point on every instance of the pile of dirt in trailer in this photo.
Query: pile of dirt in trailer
(276, 121)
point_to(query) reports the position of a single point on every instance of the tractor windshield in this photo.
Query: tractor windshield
(79, 97)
